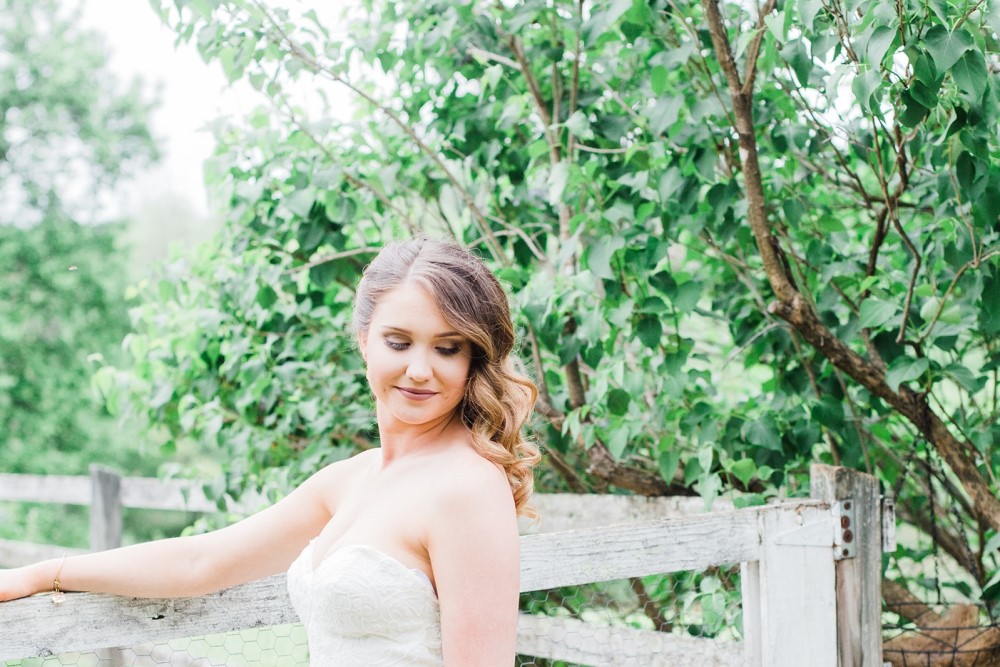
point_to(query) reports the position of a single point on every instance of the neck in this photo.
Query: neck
(401, 440)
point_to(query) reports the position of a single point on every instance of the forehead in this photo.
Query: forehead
(409, 306)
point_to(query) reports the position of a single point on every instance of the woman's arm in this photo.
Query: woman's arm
(475, 554)
(260, 545)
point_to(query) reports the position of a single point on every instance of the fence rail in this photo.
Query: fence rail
(561, 511)
(803, 602)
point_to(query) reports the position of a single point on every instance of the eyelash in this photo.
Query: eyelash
(446, 351)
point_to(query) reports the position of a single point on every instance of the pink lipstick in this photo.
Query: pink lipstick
(416, 394)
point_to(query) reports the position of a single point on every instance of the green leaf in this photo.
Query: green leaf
(875, 313)
(865, 85)
(650, 331)
(599, 256)
(775, 22)
(692, 471)
(965, 377)
(971, 75)
(266, 297)
(658, 77)
(794, 210)
(924, 95)
(664, 282)
(913, 111)
(965, 171)
(687, 296)
(947, 47)
(830, 224)
(763, 432)
(300, 202)
(905, 369)
(925, 71)
(989, 311)
(618, 441)
(808, 9)
(667, 464)
(796, 55)
(664, 113)
(744, 470)
(600, 22)
(162, 393)
(878, 45)
(618, 401)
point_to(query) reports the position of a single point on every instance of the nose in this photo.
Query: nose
(418, 367)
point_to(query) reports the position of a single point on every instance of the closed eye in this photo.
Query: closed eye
(444, 350)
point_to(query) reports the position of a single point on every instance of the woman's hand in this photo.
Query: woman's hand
(21, 582)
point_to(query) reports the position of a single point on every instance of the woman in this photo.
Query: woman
(402, 555)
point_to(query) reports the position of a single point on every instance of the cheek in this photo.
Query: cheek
(462, 375)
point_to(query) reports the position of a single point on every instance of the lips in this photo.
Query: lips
(416, 394)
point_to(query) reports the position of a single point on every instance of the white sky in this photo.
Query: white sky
(191, 94)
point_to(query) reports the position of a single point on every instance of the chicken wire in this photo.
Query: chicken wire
(695, 604)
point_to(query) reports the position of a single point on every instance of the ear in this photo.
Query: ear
(363, 345)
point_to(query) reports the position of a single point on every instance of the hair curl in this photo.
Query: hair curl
(498, 400)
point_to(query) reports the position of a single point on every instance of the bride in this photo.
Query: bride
(402, 555)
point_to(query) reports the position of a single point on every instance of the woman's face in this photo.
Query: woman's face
(418, 364)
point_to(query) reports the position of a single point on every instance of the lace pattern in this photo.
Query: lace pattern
(363, 608)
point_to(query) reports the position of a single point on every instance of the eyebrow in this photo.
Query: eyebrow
(446, 334)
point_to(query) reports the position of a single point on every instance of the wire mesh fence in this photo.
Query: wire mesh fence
(941, 635)
(695, 604)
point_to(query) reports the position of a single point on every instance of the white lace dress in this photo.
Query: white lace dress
(363, 608)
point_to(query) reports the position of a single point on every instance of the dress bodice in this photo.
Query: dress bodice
(363, 608)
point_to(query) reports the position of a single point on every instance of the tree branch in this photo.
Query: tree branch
(770, 251)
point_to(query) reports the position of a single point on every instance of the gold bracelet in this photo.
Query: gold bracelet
(58, 597)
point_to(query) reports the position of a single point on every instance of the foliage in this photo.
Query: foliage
(64, 127)
(62, 300)
(735, 243)
(68, 131)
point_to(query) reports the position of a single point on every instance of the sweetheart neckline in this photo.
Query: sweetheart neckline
(412, 571)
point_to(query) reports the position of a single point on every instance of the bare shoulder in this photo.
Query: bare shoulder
(473, 485)
(354, 464)
(333, 480)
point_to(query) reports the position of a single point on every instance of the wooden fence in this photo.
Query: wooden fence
(810, 573)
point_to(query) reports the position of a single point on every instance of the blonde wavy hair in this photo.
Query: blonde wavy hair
(498, 400)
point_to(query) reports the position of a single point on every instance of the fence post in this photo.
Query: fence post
(858, 577)
(789, 598)
(105, 509)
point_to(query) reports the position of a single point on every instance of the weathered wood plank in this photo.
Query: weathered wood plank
(85, 627)
(858, 579)
(137, 492)
(547, 561)
(572, 511)
(105, 509)
(34, 627)
(16, 554)
(751, 603)
(581, 642)
(639, 549)
(60, 489)
(559, 511)
(798, 611)
(178, 494)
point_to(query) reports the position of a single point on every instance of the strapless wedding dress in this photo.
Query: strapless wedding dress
(363, 608)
